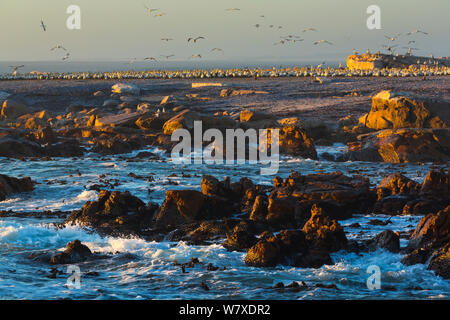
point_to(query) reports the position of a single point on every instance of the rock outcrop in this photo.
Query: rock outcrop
(373, 61)
(115, 213)
(430, 243)
(75, 252)
(10, 185)
(12, 109)
(396, 110)
(402, 145)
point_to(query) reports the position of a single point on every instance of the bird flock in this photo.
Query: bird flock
(193, 40)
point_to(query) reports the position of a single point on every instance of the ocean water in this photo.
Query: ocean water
(132, 268)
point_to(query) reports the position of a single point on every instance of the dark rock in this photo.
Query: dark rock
(75, 252)
(241, 238)
(388, 240)
(115, 213)
(324, 233)
(10, 185)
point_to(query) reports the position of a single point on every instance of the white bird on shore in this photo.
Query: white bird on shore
(43, 26)
(410, 50)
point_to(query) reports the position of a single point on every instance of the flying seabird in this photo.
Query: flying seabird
(58, 46)
(67, 56)
(15, 68)
(150, 58)
(323, 41)
(43, 26)
(309, 29)
(195, 39)
(217, 49)
(169, 56)
(416, 31)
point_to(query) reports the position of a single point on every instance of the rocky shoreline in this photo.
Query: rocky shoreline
(295, 221)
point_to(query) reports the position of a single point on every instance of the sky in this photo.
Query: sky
(116, 30)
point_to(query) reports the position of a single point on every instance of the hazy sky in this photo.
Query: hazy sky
(123, 29)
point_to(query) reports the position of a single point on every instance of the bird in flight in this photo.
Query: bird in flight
(257, 25)
(159, 15)
(150, 10)
(166, 39)
(217, 49)
(390, 48)
(323, 42)
(309, 29)
(280, 42)
(43, 26)
(195, 39)
(150, 59)
(194, 56)
(58, 46)
(416, 31)
(233, 9)
(15, 68)
(391, 38)
(169, 56)
(67, 56)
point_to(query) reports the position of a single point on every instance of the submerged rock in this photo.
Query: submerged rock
(388, 240)
(75, 252)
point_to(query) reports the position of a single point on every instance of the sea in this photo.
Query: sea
(133, 268)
